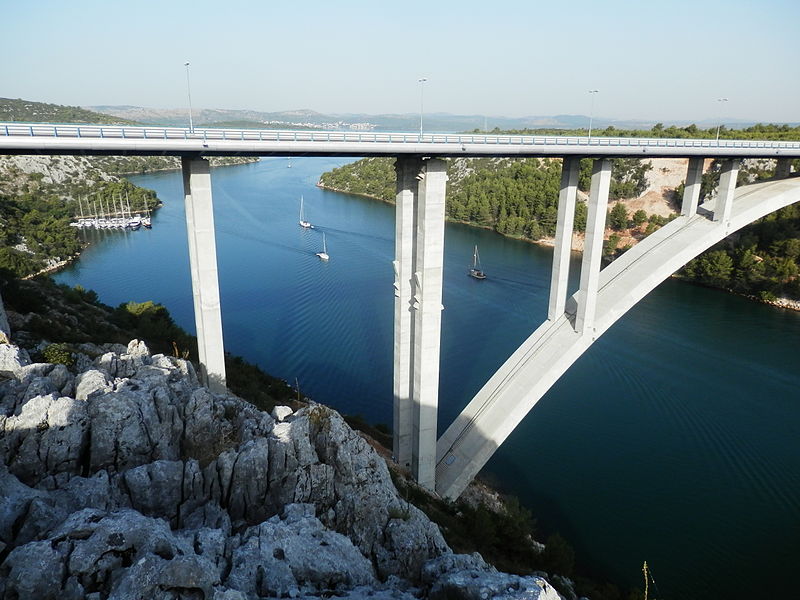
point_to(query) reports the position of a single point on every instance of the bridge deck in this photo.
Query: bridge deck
(31, 138)
(535, 366)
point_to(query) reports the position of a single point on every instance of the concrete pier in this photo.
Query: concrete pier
(563, 242)
(408, 169)
(727, 185)
(691, 189)
(593, 246)
(783, 168)
(203, 263)
(426, 290)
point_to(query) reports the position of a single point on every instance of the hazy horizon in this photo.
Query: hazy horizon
(650, 62)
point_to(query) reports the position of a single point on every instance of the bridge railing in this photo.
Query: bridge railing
(272, 135)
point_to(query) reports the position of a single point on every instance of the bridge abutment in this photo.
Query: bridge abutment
(203, 263)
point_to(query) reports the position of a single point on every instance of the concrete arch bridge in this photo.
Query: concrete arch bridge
(573, 324)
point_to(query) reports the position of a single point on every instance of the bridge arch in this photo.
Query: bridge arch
(551, 349)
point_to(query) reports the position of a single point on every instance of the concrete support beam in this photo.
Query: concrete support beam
(783, 168)
(563, 242)
(593, 246)
(203, 262)
(691, 190)
(727, 184)
(427, 316)
(408, 169)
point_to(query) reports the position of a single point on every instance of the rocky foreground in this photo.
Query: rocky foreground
(122, 477)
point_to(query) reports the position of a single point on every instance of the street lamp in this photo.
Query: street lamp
(189, 92)
(421, 82)
(720, 116)
(591, 111)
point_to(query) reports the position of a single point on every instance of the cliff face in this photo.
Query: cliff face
(122, 477)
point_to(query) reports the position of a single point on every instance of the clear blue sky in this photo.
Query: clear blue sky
(654, 60)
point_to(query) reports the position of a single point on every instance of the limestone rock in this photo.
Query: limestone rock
(280, 413)
(90, 382)
(34, 570)
(132, 480)
(12, 359)
(129, 429)
(47, 436)
(294, 555)
(5, 329)
(15, 499)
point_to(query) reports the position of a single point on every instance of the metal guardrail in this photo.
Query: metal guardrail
(271, 135)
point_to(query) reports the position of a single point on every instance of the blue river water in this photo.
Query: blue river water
(674, 439)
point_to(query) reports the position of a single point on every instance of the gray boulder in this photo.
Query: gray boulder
(90, 382)
(294, 555)
(48, 437)
(12, 359)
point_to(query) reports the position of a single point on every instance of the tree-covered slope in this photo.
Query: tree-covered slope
(41, 112)
(39, 196)
(515, 197)
(519, 198)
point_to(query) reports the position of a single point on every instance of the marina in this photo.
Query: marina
(113, 213)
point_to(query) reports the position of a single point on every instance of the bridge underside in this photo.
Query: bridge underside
(526, 376)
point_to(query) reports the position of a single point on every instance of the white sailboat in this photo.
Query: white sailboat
(303, 223)
(324, 254)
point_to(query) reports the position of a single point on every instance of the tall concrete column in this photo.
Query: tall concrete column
(727, 186)
(427, 316)
(783, 168)
(407, 169)
(593, 245)
(203, 262)
(563, 242)
(691, 189)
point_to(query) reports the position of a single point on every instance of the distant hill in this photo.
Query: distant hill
(439, 122)
(41, 112)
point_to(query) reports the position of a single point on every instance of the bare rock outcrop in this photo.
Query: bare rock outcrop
(125, 478)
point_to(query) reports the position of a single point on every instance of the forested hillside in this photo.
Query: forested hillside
(138, 165)
(41, 112)
(38, 199)
(515, 197)
(519, 198)
(756, 132)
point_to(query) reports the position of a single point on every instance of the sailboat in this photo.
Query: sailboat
(324, 254)
(289, 164)
(303, 223)
(476, 271)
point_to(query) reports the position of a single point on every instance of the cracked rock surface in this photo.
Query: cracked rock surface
(125, 478)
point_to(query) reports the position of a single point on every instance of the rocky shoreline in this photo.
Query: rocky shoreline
(123, 477)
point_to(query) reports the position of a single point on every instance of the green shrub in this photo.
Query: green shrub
(59, 354)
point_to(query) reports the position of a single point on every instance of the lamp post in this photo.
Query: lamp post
(421, 82)
(720, 116)
(591, 111)
(189, 92)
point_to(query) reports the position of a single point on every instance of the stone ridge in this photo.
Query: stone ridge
(123, 477)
